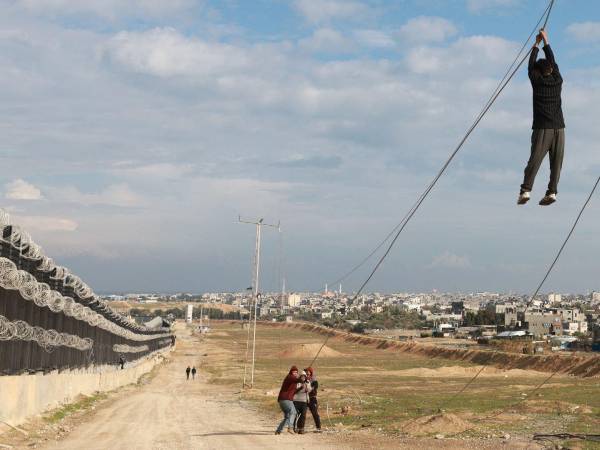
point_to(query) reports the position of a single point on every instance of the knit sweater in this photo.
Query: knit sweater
(288, 388)
(547, 104)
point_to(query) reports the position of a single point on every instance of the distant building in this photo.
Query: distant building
(543, 324)
(189, 313)
(554, 298)
(293, 300)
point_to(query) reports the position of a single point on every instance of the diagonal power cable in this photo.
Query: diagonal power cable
(546, 275)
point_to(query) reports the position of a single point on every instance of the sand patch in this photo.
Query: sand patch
(437, 423)
(309, 351)
(459, 371)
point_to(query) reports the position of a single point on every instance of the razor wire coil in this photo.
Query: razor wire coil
(47, 339)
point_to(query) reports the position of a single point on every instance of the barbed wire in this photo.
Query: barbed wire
(124, 348)
(20, 240)
(47, 339)
(30, 289)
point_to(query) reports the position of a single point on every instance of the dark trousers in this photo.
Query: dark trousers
(313, 405)
(545, 141)
(301, 417)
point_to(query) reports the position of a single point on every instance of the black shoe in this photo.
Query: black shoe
(548, 199)
(523, 198)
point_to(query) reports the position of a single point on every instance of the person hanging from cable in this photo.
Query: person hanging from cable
(548, 134)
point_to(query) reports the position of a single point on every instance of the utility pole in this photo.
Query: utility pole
(255, 285)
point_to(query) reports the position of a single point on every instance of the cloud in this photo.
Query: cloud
(45, 223)
(20, 189)
(106, 9)
(156, 171)
(425, 29)
(478, 53)
(119, 195)
(165, 52)
(478, 6)
(374, 39)
(449, 260)
(316, 11)
(181, 132)
(584, 31)
(311, 162)
(326, 40)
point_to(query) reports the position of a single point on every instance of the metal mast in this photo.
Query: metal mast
(255, 286)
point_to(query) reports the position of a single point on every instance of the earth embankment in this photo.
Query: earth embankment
(580, 364)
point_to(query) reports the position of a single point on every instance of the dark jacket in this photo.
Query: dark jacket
(288, 388)
(315, 389)
(547, 102)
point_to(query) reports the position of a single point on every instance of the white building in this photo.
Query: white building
(189, 313)
(554, 298)
(293, 300)
(571, 328)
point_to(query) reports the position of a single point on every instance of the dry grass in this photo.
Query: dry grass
(387, 389)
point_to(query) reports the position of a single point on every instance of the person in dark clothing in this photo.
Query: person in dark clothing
(301, 402)
(194, 373)
(187, 373)
(313, 404)
(548, 134)
(122, 362)
(286, 401)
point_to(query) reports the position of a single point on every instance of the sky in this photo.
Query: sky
(134, 133)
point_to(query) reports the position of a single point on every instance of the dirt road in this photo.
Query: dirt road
(172, 413)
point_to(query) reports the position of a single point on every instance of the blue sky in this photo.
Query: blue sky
(134, 133)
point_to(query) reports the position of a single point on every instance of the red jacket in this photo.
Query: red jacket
(288, 388)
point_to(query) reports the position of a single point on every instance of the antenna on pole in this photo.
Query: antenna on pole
(255, 293)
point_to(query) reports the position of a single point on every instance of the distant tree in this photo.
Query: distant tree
(358, 328)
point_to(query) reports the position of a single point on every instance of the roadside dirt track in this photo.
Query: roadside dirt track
(172, 413)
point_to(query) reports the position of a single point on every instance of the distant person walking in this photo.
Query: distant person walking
(286, 401)
(194, 373)
(313, 404)
(187, 372)
(301, 402)
(122, 362)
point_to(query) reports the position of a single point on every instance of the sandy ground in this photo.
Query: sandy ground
(173, 413)
(168, 412)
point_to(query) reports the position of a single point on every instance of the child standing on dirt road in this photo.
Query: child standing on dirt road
(194, 373)
(187, 373)
(286, 401)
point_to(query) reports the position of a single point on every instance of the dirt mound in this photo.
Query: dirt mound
(438, 423)
(309, 351)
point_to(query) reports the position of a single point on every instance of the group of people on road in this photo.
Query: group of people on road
(298, 394)
(192, 371)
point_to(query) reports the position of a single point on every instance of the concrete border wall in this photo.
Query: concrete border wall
(24, 396)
